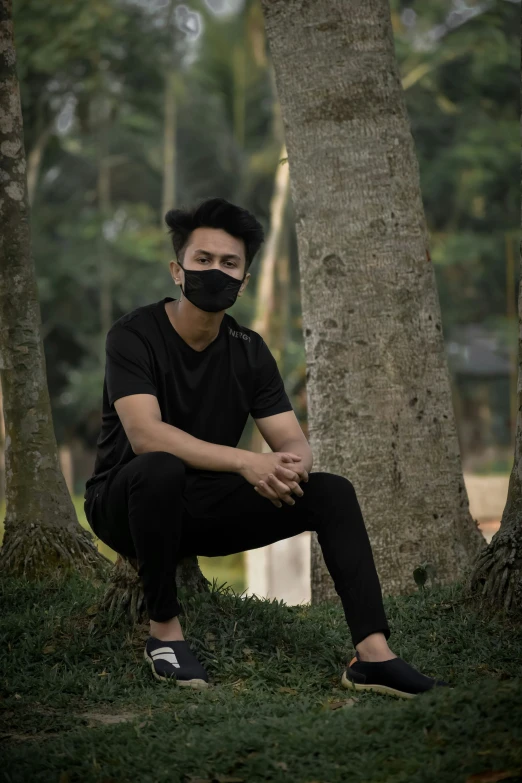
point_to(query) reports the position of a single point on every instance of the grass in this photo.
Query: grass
(229, 569)
(79, 704)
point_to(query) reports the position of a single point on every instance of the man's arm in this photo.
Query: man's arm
(302, 449)
(140, 416)
(283, 432)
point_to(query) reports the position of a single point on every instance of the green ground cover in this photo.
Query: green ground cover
(79, 703)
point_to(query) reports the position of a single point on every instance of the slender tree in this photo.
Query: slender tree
(42, 534)
(266, 282)
(378, 386)
(497, 575)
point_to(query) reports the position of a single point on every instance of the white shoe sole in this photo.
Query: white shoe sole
(195, 683)
(355, 686)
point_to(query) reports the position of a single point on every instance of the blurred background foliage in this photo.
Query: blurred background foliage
(132, 107)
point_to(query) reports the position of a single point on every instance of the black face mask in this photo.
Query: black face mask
(210, 289)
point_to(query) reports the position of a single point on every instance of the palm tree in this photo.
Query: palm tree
(379, 397)
(42, 535)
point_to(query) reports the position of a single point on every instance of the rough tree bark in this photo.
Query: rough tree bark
(42, 535)
(497, 575)
(379, 395)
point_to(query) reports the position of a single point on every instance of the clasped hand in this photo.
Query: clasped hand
(276, 475)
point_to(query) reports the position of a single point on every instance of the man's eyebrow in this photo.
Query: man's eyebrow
(225, 255)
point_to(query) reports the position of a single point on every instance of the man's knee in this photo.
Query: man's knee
(160, 469)
(332, 484)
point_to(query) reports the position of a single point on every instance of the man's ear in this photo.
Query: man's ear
(175, 266)
(245, 282)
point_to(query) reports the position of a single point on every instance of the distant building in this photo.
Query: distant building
(480, 368)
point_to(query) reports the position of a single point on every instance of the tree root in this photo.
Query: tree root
(496, 578)
(188, 574)
(44, 551)
(124, 598)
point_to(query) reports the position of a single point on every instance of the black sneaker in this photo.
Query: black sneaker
(175, 660)
(394, 677)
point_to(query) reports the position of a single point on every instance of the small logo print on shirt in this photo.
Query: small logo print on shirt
(239, 334)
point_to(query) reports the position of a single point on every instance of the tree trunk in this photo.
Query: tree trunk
(497, 575)
(378, 387)
(34, 161)
(104, 252)
(42, 534)
(168, 200)
(265, 293)
(281, 329)
(239, 105)
(66, 466)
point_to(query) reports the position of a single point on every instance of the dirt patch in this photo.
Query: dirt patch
(7, 736)
(107, 719)
(89, 720)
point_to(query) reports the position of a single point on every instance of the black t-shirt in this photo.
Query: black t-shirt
(208, 393)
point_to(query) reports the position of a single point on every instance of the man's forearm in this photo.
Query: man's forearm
(197, 453)
(302, 448)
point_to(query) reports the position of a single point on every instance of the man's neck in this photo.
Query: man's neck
(197, 327)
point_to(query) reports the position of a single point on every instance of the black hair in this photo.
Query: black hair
(215, 213)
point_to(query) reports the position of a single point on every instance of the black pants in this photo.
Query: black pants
(141, 514)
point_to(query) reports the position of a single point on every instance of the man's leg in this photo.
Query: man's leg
(140, 515)
(244, 520)
(142, 511)
(328, 505)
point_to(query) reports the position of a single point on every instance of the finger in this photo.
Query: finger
(287, 473)
(260, 491)
(288, 456)
(298, 471)
(295, 467)
(301, 470)
(274, 493)
(295, 488)
(291, 479)
(281, 487)
(268, 491)
(283, 490)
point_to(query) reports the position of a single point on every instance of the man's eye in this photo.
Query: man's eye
(228, 263)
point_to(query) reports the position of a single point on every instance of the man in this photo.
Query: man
(181, 378)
